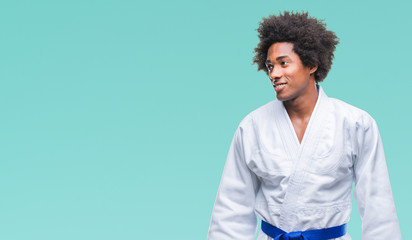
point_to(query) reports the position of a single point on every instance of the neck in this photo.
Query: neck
(302, 106)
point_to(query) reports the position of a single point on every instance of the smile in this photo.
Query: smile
(279, 84)
(278, 87)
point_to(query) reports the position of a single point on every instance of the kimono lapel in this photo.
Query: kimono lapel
(300, 155)
(285, 127)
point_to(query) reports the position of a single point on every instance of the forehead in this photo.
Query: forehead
(281, 49)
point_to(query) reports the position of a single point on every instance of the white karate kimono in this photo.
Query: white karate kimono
(301, 186)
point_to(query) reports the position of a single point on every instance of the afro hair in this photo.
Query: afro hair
(311, 41)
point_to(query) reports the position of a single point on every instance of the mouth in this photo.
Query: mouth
(278, 86)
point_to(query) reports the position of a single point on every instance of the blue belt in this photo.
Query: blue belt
(317, 234)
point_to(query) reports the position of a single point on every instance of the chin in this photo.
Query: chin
(282, 98)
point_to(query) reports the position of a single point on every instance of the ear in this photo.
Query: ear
(313, 69)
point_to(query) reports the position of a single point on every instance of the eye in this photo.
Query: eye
(269, 67)
(283, 63)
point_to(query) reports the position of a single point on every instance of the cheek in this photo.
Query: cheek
(303, 74)
(292, 76)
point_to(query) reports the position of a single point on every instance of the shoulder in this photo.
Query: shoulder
(353, 115)
(264, 112)
(250, 128)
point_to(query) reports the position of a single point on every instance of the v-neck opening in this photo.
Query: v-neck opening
(308, 127)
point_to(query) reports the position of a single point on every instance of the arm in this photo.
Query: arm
(233, 214)
(372, 187)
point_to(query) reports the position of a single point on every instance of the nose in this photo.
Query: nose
(275, 73)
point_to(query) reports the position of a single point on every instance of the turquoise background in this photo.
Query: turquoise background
(116, 116)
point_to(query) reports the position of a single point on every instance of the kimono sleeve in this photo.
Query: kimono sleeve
(233, 215)
(373, 191)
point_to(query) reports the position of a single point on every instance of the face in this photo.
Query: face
(289, 77)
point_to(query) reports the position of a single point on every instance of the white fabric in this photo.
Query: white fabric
(301, 186)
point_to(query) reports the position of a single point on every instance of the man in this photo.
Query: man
(292, 162)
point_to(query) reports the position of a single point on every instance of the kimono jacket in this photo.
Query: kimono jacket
(297, 186)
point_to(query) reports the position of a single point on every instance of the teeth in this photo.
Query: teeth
(277, 85)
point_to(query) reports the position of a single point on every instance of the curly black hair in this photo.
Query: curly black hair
(311, 41)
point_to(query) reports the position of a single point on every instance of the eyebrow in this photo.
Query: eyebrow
(280, 57)
(277, 59)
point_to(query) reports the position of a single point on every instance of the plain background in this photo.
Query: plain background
(116, 116)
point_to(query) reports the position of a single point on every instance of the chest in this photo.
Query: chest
(325, 149)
